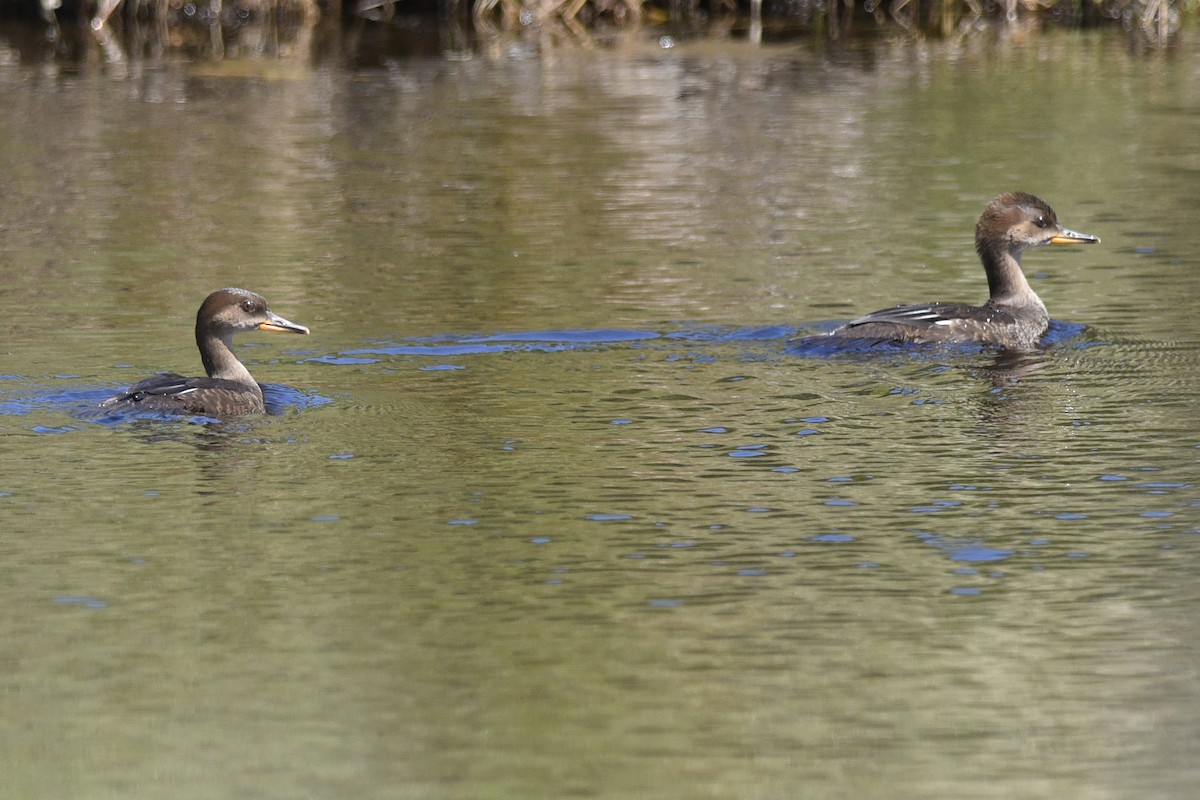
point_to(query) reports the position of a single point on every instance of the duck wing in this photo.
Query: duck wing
(168, 391)
(930, 322)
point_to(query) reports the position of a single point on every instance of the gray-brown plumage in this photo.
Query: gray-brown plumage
(229, 388)
(1013, 316)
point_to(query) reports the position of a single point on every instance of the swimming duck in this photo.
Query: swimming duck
(229, 388)
(1013, 316)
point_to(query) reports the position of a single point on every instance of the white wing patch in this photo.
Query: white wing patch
(919, 313)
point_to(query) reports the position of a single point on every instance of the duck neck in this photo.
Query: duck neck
(219, 360)
(1006, 282)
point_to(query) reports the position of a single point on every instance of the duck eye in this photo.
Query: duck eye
(248, 306)
(1041, 221)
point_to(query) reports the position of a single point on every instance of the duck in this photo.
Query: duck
(1013, 317)
(229, 389)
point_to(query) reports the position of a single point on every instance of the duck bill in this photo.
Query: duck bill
(1065, 236)
(280, 325)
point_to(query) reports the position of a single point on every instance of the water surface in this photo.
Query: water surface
(550, 507)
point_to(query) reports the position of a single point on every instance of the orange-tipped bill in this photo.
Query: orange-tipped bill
(279, 324)
(1065, 236)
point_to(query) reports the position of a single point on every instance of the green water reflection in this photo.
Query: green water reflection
(682, 566)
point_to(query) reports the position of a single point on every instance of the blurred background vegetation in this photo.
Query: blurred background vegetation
(221, 29)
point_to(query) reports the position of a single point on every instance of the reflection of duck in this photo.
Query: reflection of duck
(1013, 315)
(229, 388)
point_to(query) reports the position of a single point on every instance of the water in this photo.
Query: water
(549, 507)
